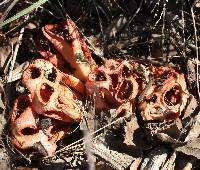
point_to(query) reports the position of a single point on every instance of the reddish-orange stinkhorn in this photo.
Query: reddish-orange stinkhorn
(166, 99)
(25, 133)
(56, 93)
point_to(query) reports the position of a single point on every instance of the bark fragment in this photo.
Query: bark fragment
(155, 160)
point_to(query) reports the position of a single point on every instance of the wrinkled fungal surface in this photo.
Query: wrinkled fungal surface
(25, 131)
(167, 97)
(114, 83)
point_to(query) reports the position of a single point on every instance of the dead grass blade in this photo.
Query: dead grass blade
(23, 12)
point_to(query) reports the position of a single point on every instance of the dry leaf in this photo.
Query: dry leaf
(190, 148)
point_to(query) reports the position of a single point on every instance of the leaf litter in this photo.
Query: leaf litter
(150, 32)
